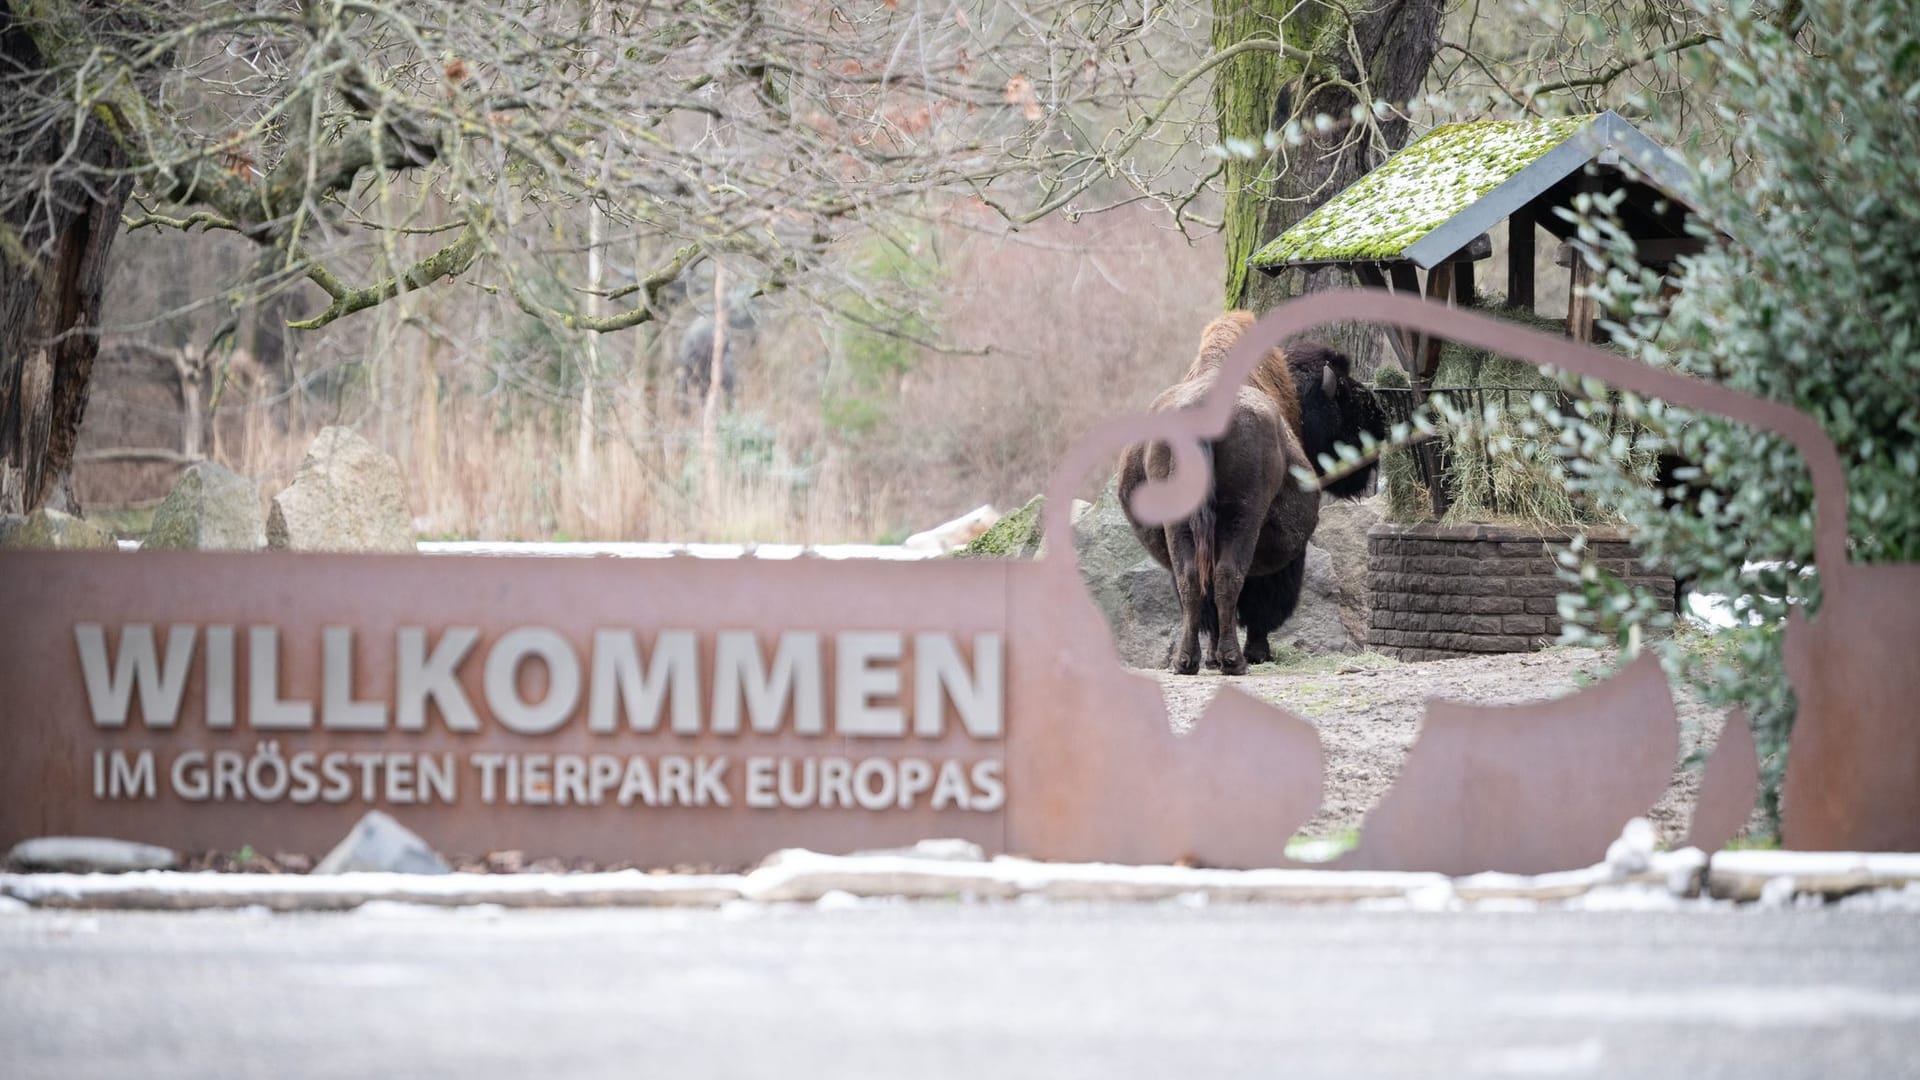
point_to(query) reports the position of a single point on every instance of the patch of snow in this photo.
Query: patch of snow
(838, 900)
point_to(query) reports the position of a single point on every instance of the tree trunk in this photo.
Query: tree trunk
(1257, 93)
(50, 284)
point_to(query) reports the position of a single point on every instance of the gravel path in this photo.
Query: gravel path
(1368, 713)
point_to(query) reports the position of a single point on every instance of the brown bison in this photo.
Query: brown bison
(1240, 558)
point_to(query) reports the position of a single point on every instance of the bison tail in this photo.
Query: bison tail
(1203, 524)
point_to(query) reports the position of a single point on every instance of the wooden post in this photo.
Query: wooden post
(1406, 282)
(1463, 283)
(1371, 276)
(1580, 306)
(1520, 259)
(1439, 288)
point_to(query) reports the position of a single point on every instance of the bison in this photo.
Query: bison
(1241, 556)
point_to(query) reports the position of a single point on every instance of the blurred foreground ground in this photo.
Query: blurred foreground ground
(933, 990)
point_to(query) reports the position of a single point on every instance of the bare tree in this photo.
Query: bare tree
(369, 148)
(1299, 127)
(575, 158)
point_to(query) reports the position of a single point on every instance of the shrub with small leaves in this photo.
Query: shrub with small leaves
(1812, 299)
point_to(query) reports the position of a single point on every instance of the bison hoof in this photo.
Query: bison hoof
(1259, 652)
(1184, 664)
(1233, 665)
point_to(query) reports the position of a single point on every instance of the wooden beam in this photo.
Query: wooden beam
(1520, 259)
(1656, 252)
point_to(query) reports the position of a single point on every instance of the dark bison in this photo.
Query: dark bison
(693, 366)
(1240, 558)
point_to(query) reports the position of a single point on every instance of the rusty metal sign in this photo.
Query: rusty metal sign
(687, 710)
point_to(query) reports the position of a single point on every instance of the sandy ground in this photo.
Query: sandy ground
(1368, 713)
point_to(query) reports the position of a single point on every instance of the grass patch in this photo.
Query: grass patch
(1503, 464)
(1304, 848)
(126, 524)
(1288, 660)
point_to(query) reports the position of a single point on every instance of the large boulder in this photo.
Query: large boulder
(1318, 625)
(1343, 532)
(1134, 593)
(52, 529)
(346, 497)
(210, 508)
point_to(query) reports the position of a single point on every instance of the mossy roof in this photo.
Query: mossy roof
(1446, 173)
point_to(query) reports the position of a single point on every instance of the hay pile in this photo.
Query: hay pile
(1505, 466)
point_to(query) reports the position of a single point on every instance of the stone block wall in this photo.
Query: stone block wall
(1440, 591)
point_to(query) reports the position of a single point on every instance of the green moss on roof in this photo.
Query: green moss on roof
(1418, 190)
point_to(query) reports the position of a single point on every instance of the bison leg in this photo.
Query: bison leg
(1193, 598)
(1238, 538)
(1227, 583)
(1266, 602)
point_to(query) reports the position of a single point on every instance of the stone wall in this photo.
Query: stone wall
(1440, 591)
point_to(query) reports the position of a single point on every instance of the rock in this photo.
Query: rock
(1317, 626)
(210, 508)
(1142, 609)
(959, 532)
(346, 497)
(377, 842)
(1343, 532)
(1134, 593)
(89, 855)
(52, 529)
(293, 862)
(1633, 851)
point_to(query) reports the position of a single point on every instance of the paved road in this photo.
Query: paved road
(932, 990)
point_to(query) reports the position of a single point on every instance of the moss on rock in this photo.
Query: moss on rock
(53, 530)
(1016, 536)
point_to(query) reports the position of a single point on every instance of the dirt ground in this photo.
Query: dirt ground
(1368, 711)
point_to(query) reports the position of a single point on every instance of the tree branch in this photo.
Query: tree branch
(649, 286)
(1150, 119)
(450, 261)
(1624, 65)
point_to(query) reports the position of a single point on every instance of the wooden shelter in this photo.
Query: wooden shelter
(1426, 211)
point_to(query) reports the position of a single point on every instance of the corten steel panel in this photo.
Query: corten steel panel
(1092, 770)
(1853, 764)
(45, 785)
(1728, 786)
(1526, 788)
